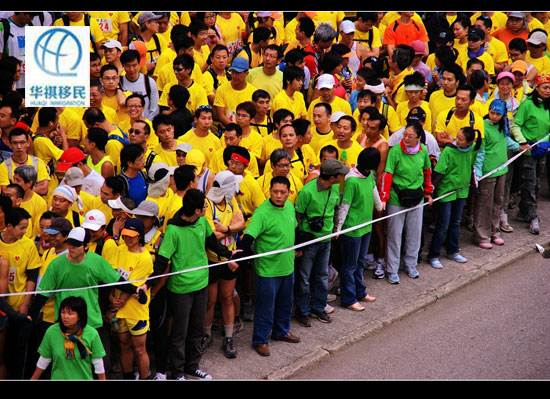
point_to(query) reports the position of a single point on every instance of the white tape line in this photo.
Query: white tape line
(294, 247)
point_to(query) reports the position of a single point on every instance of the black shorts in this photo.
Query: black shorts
(220, 272)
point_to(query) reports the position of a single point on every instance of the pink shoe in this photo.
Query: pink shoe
(498, 241)
(485, 245)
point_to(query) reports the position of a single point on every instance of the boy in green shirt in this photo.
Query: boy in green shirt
(315, 208)
(187, 235)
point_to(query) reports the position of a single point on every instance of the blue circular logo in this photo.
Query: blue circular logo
(58, 52)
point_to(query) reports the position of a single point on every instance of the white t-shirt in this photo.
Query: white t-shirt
(16, 47)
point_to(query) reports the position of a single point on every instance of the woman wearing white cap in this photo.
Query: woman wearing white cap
(226, 220)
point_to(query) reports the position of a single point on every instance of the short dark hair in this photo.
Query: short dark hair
(192, 200)
(469, 89)
(279, 180)
(163, 119)
(248, 107)
(184, 60)
(130, 153)
(129, 56)
(234, 127)
(351, 120)
(93, 115)
(260, 93)
(291, 73)
(16, 216)
(307, 26)
(108, 67)
(98, 136)
(46, 115)
(281, 114)
(183, 176)
(136, 95)
(179, 96)
(300, 126)
(20, 192)
(115, 184)
(18, 132)
(329, 148)
(76, 304)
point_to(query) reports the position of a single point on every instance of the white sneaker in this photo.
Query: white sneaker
(329, 309)
(181, 378)
(160, 377)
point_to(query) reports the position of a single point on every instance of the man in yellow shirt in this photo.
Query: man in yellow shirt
(199, 33)
(268, 76)
(290, 97)
(450, 121)
(232, 137)
(234, 92)
(348, 148)
(20, 142)
(325, 84)
(280, 165)
(25, 176)
(201, 137)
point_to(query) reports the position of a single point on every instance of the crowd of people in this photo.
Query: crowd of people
(136, 226)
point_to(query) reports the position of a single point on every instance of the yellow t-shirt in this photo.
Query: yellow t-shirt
(201, 56)
(403, 109)
(134, 266)
(224, 215)
(197, 96)
(217, 165)
(153, 140)
(48, 310)
(295, 185)
(164, 204)
(295, 105)
(249, 197)
(232, 30)
(228, 98)
(36, 206)
(95, 29)
(41, 168)
(456, 124)
(165, 71)
(21, 255)
(439, 102)
(109, 251)
(208, 145)
(319, 140)
(110, 21)
(46, 150)
(348, 156)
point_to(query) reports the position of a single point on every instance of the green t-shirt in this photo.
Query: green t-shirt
(311, 203)
(456, 166)
(496, 149)
(185, 247)
(52, 347)
(273, 228)
(358, 193)
(407, 169)
(62, 274)
(533, 120)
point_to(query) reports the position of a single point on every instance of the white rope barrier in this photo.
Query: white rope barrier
(294, 247)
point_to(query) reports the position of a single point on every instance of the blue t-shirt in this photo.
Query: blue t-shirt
(137, 188)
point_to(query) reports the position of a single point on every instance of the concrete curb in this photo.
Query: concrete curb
(416, 304)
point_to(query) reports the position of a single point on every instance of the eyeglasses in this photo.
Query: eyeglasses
(283, 165)
(135, 131)
(204, 107)
(134, 106)
(178, 69)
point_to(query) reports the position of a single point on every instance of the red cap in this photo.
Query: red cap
(69, 158)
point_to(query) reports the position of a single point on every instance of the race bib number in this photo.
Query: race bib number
(106, 24)
(12, 273)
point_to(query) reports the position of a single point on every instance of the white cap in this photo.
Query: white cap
(77, 236)
(326, 80)
(94, 219)
(112, 44)
(538, 38)
(119, 204)
(185, 147)
(74, 177)
(147, 208)
(335, 117)
(347, 26)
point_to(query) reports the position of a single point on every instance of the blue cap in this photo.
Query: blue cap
(239, 64)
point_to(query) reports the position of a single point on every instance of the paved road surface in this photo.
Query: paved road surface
(495, 329)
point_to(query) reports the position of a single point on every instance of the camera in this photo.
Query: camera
(316, 223)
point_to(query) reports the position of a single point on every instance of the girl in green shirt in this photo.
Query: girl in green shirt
(452, 175)
(71, 345)
(489, 194)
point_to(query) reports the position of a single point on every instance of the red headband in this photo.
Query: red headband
(240, 158)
